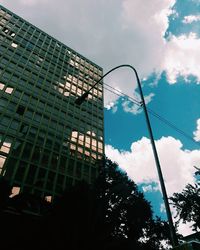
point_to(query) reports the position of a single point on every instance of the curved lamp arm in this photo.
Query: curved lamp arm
(82, 98)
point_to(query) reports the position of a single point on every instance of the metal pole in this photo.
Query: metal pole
(174, 239)
(82, 98)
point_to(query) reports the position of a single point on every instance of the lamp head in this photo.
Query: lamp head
(81, 98)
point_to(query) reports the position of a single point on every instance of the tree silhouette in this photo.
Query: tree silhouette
(126, 215)
(110, 214)
(187, 204)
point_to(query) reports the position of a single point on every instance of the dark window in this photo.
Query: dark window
(20, 110)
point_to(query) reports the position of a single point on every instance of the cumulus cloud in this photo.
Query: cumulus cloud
(32, 2)
(140, 166)
(131, 107)
(191, 19)
(181, 57)
(112, 106)
(197, 132)
(150, 188)
(185, 228)
(135, 107)
(162, 208)
(176, 163)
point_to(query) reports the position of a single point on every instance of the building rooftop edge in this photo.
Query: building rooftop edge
(91, 62)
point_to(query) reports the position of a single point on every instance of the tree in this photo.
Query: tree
(187, 204)
(110, 214)
(126, 214)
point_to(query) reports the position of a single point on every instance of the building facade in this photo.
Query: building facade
(47, 142)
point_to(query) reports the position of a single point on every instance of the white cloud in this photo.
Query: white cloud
(176, 163)
(191, 18)
(185, 228)
(162, 208)
(135, 108)
(197, 132)
(150, 188)
(149, 98)
(181, 57)
(140, 166)
(30, 3)
(110, 105)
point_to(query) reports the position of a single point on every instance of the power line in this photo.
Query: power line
(170, 124)
(121, 93)
(162, 119)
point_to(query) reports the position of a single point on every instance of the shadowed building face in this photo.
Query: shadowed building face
(46, 141)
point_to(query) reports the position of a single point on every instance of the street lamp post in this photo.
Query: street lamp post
(82, 98)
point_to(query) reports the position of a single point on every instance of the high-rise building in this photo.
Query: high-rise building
(47, 142)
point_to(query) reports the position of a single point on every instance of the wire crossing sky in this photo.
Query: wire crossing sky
(161, 39)
(161, 118)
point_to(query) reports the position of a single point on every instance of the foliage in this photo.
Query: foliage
(108, 214)
(187, 204)
(111, 214)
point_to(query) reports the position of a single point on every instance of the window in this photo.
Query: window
(36, 154)
(9, 90)
(5, 30)
(15, 191)
(14, 124)
(2, 161)
(87, 141)
(94, 144)
(12, 34)
(48, 198)
(20, 110)
(2, 86)
(5, 147)
(78, 169)
(27, 151)
(5, 121)
(45, 157)
(14, 45)
(54, 160)
(37, 117)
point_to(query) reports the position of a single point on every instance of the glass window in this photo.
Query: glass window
(5, 121)
(21, 171)
(27, 151)
(36, 154)
(45, 157)
(2, 161)
(15, 191)
(5, 147)
(54, 160)
(2, 86)
(31, 174)
(62, 163)
(9, 90)
(78, 169)
(14, 124)
(48, 198)
(14, 45)
(20, 110)
(37, 117)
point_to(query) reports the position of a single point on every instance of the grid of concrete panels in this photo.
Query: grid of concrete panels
(47, 142)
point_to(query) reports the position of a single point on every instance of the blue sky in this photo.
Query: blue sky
(161, 39)
(177, 103)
